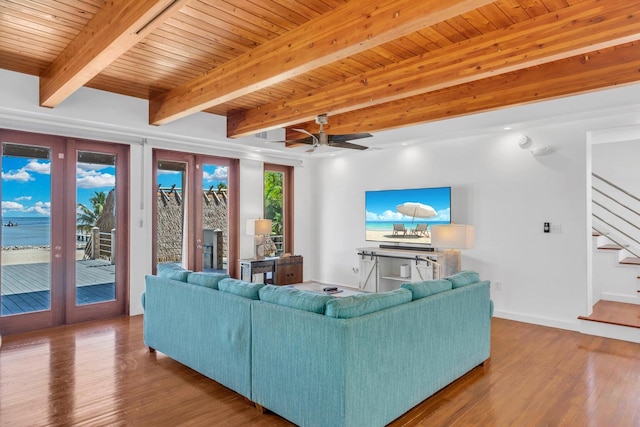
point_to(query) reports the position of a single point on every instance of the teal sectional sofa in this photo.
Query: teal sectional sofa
(318, 360)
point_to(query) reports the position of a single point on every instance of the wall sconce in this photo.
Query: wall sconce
(542, 151)
(259, 228)
(524, 141)
(452, 238)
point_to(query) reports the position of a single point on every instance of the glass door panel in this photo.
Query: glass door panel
(215, 218)
(170, 212)
(51, 185)
(274, 210)
(95, 227)
(26, 229)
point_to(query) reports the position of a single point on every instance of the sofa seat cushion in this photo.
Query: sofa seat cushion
(208, 280)
(295, 298)
(173, 271)
(463, 278)
(359, 305)
(427, 288)
(240, 287)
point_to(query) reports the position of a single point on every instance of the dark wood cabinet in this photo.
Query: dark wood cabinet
(288, 270)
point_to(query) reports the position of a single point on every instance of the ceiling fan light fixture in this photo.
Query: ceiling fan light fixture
(322, 119)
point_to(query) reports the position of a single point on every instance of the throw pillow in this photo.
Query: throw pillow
(240, 287)
(173, 271)
(208, 280)
(295, 298)
(426, 288)
(359, 305)
(463, 278)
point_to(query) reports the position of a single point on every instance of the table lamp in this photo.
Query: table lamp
(259, 228)
(452, 238)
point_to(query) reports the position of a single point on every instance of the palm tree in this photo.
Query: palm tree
(87, 217)
(273, 200)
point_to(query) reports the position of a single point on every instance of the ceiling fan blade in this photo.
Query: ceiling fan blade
(348, 137)
(343, 144)
(297, 142)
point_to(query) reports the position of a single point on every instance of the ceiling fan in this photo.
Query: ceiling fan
(321, 138)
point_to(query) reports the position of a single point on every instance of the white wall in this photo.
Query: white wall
(505, 192)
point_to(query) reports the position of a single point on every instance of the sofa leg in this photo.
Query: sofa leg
(152, 350)
(260, 408)
(484, 362)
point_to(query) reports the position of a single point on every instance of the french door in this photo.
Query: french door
(195, 211)
(64, 231)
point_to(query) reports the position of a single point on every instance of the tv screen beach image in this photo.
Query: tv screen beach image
(406, 216)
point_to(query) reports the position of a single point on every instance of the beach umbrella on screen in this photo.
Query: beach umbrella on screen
(416, 210)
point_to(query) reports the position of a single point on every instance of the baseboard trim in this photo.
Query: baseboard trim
(542, 321)
(628, 299)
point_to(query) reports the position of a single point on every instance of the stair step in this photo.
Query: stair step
(631, 261)
(610, 246)
(615, 313)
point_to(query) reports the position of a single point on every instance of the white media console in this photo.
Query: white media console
(383, 269)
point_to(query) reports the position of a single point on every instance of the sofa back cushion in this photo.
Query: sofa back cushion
(240, 287)
(359, 305)
(208, 280)
(295, 298)
(426, 288)
(173, 271)
(463, 278)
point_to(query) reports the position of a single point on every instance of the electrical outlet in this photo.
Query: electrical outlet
(546, 227)
(356, 270)
(497, 286)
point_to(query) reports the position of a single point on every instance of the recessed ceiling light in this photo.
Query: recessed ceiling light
(507, 128)
(405, 143)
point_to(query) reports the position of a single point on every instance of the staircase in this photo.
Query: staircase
(616, 231)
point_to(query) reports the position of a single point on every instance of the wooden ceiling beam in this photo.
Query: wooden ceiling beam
(597, 70)
(351, 28)
(114, 29)
(577, 29)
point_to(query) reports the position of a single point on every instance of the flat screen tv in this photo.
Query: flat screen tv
(406, 216)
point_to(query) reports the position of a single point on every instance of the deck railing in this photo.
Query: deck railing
(101, 245)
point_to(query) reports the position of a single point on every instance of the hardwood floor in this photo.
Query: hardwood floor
(100, 374)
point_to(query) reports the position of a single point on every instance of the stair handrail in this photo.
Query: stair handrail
(622, 190)
(614, 200)
(622, 245)
(616, 215)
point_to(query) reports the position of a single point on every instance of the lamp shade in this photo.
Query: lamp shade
(263, 226)
(257, 227)
(452, 236)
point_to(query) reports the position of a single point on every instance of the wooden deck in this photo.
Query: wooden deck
(25, 287)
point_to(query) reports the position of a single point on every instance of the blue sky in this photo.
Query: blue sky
(26, 187)
(26, 184)
(381, 205)
(211, 175)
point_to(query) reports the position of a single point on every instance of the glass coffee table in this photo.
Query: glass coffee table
(341, 291)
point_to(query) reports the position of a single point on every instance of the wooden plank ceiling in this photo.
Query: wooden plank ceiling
(370, 65)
